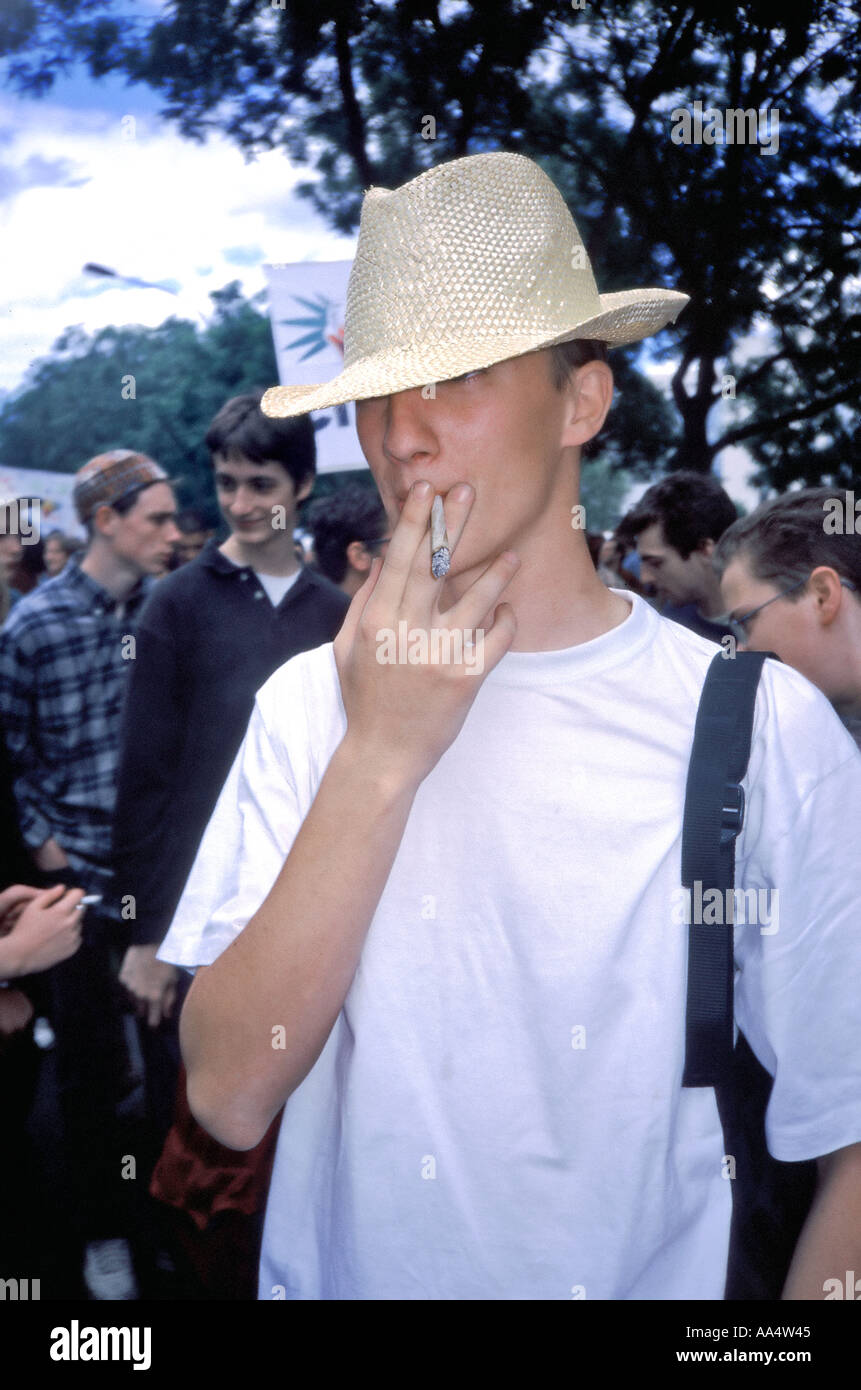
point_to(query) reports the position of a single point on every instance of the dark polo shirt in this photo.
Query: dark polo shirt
(207, 639)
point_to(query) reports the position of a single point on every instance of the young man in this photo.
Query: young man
(65, 657)
(676, 524)
(790, 576)
(209, 637)
(436, 915)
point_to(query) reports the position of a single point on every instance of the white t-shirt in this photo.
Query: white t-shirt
(276, 585)
(498, 1111)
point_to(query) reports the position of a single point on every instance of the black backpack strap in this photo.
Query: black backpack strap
(714, 813)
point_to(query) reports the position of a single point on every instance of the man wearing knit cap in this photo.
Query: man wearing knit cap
(65, 657)
(436, 914)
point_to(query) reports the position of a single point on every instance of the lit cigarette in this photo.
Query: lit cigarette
(440, 550)
(89, 901)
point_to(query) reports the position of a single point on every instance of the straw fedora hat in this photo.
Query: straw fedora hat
(470, 263)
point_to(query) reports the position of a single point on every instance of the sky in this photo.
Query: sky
(91, 173)
(81, 182)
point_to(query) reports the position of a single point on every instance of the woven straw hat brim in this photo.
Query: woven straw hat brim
(625, 317)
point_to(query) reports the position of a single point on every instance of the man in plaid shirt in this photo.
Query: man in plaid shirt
(65, 654)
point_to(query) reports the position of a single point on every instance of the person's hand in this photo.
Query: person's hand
(12, 903)
(47, 931)
(151, 983)
(402, 717)
(49, 857)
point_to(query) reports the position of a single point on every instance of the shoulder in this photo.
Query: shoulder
(325, 592)
(181, 594)
(797, 737)
(308, 674)
(35, 613)
(306, 686)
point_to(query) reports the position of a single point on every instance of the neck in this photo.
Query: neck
(557, 597)
(275, 556)
(711, 604)
(115, 575)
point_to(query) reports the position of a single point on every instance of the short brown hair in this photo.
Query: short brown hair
(565, 357)
(785, 539)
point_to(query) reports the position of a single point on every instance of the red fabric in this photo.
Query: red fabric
(201, 1177)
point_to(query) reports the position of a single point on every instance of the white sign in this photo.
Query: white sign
(52, 490)
(306, 311)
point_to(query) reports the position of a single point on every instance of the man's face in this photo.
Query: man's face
(190, 544)
(500, 430)
(257, 500)
(676, 580)
(788, 626)
(145, 535)
(54, 556)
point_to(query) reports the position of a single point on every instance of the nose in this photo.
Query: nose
(173, 532)
(408, 435)
(244, 502)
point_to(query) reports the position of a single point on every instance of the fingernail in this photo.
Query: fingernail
(422, 489)
(462, 492)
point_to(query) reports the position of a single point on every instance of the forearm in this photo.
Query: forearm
(830, 1243)
(293, 964)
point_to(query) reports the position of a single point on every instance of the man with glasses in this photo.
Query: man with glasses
(792, 588)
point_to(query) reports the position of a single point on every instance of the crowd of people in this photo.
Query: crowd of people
(129, 671)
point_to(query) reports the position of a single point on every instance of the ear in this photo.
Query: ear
(305, 489)
(360, 558)
(104, 521)
(588, 395)
(827, 594)
(705, 548)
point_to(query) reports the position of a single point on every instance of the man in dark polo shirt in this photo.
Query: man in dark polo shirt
(676, 525)
(209, 636)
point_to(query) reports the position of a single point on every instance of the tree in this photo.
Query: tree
(153, 389)
(767, 244)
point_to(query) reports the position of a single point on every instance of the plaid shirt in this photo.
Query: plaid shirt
(62, 679)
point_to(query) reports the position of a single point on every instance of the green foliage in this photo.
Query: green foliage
(767, 246)
(602, 494)
(77, 403)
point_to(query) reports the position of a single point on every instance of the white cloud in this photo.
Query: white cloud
(156, 206)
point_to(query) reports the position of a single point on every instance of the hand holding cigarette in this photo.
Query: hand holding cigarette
(402, 715)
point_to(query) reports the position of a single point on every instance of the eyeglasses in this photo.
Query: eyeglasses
(738, 626)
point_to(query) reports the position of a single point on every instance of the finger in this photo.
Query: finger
(154, 1013)
(18, 893)
(410, 533)
(51, 895)
(348, 627)
(457, 505)
(482, 596)
(499, 636)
